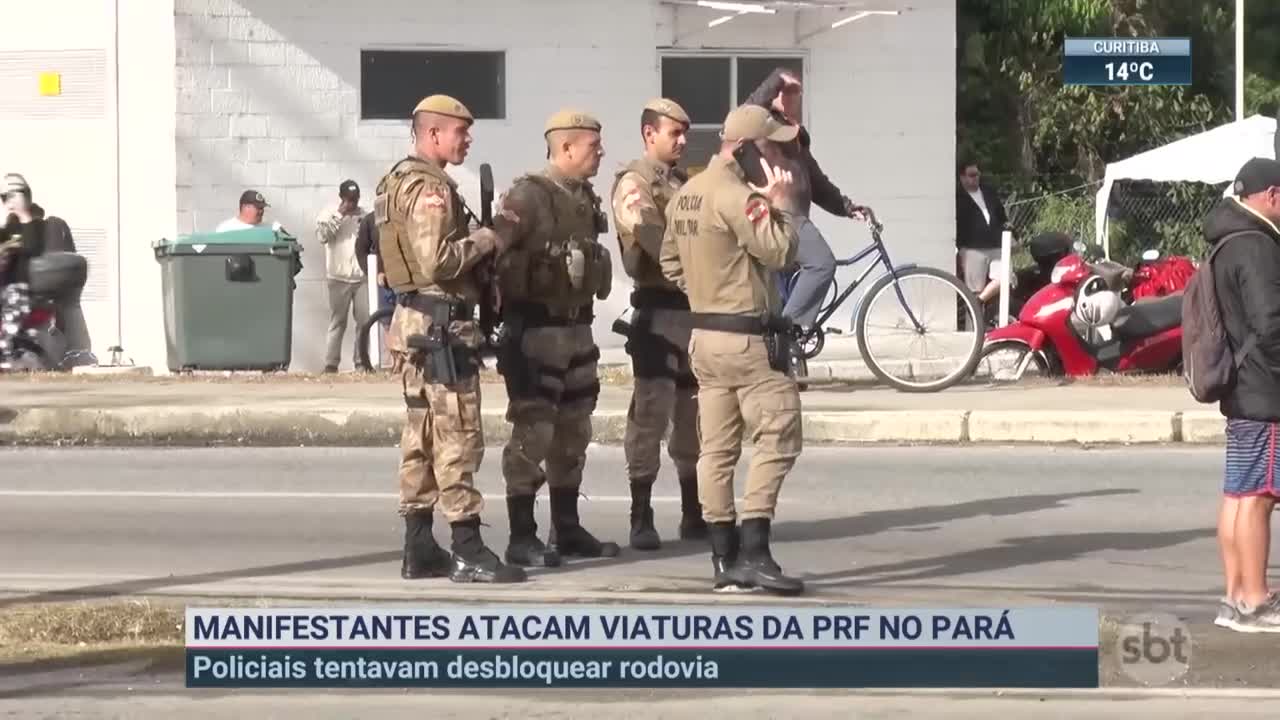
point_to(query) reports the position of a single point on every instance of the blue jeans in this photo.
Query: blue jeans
(817, 270)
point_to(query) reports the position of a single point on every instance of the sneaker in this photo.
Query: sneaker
(1260, 619)
(1228, 613)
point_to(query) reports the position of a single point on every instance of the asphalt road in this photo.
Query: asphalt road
(1126, 530)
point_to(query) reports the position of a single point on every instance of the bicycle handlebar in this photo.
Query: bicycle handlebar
(871, 219)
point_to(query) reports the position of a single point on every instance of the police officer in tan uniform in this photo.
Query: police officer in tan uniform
(429, 256)
(724, 243)
(548, 278)
(665, 391)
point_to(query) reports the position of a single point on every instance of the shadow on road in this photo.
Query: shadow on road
(868, 523)
(1013, 553)
(130, 587)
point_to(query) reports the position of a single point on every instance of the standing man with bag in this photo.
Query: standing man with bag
(665, 391)
(1231, 350)
(430, 256)
(549, 277)
(726, 239)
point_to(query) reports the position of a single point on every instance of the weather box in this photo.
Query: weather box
(1126, 61)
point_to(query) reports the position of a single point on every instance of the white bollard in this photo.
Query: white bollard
(375, 347)
(1006, 252)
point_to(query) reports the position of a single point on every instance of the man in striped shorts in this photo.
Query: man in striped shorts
(1246, 274)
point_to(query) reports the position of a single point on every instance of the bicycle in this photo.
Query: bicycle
(375, 318)
(965, 318)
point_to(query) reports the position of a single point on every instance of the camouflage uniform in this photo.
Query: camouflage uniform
(429, 256)
(548, 279)
(665, 393)
(724, 245)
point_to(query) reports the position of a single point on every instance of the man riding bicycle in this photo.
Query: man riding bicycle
(782, 94)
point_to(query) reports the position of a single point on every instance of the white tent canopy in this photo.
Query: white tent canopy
(1213, 156)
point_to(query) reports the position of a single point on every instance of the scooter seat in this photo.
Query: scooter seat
(1148, 318)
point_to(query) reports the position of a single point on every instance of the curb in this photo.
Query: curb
(381, 428)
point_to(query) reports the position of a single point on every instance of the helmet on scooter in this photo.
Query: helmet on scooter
(1097, 308)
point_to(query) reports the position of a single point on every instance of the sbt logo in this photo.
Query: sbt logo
(1153, 648)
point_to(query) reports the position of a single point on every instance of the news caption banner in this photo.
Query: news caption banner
(651, 647)
(1126, 61)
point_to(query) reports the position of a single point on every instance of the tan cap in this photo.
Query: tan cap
(570, 119)
(444, 105)
(670, 108)
(752, 122)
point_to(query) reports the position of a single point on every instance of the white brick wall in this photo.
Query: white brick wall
(268, 97)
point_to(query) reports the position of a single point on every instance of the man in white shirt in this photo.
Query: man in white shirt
(336, 228)
(252, 209)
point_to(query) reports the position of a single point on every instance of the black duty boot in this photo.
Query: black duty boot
(524, 547)
(724, 558)
(643, 535)
(423, 557)
(692, 526)
(473, 562)
(567, 534)
(756, 563)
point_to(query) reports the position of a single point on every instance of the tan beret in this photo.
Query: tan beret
(570, 119)
(669, 108)
(444, 105)
(752, 122)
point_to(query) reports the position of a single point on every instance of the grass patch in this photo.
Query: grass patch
(62, 630)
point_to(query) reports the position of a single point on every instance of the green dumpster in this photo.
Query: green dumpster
(228, 299)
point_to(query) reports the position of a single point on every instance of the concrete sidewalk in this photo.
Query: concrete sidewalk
(369, 411)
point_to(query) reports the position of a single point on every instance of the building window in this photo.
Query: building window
(393, 81)
(707, 86)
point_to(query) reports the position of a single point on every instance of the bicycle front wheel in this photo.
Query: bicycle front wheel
(909, 334)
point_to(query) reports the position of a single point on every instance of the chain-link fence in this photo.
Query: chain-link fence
(1141, 215)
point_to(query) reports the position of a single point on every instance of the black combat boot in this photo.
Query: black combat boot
(567, 534)
(423, 557)
(473, 562)
(724, 558)
(643, 535)
(525, 548)
(692, 526)
(756, 563)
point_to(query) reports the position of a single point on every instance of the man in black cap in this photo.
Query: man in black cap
(252, 208)
(336, 229)
(1246, 278)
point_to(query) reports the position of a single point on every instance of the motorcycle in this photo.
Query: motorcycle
(1095, 316)
(30, 339)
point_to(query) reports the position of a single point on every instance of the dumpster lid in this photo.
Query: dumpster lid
(249, 236)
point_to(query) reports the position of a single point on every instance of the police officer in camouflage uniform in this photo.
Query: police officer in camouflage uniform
(548, 278)
(665, 391)
(429, 256)
(724, 244)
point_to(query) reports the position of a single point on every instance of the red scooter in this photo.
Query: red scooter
(1095, 316)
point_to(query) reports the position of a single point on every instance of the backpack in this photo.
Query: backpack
(1208, 361)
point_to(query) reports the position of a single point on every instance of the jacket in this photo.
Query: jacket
(338, 235)
(45, 233)
(367, 243)
(1246, 275)
(811, 186)
(972, 228)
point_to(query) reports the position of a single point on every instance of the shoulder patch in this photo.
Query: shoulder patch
(757, 210)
